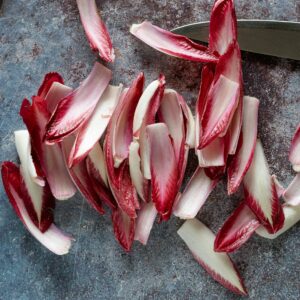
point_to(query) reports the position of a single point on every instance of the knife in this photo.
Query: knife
(276, 38)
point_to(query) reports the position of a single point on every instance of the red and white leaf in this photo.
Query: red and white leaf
(32, 165)
(49, 80)
(236, 230)
(243, 158)
(76, 108)
(291, 217)
(200, 240)
(91, 132)
(171, 43)
(81, 177)
(170, 113)
(144, 222)
(35, 116)
(138, 180)
(194, 196)
(57, 92)
(151, 91)
(124, 228)
(95, 29)
(53, 239)
(189, 123)
(163, 167)
(38, 200)
(123, 127)
(220, 104)
(294, 155)
(292, 194)
(120, 127)
(260, 192)
(149, 108)
(222, 26)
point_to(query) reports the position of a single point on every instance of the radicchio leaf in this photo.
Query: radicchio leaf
(200, 241)
(95, 29)
(171, 43)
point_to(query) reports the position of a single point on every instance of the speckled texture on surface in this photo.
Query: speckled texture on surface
(41, 36)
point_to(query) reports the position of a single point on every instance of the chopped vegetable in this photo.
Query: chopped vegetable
(200, 241)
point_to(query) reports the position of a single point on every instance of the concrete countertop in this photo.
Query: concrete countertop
(41, 36)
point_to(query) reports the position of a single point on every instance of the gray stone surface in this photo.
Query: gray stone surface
(41, 36)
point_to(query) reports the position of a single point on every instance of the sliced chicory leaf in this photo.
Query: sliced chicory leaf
(81, 177)
(243, 158)
(291, 217)
(38, 200)
(198, 189)
(212, 155)
(57, 92)
(260, 192)
(292, 194)
(95, 29)
(49, 80)
(96, 156)
(92, 130)
(124, 228)
(236, 230)
(52, 238)
(163, 168)
(138, 180)
(222, 26)
(78, 106)
(144, 222)
(171, 43)
(200, 241)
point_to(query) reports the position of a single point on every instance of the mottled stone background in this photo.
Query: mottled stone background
(41, 36)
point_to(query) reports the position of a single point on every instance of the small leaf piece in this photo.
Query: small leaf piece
(77, 107)
(124, 228)
(236, 230)
(260, 192)
(163, 167)
(222, 26)
(95, 29)
(243, 158)
(47, 83)
(200, 241)
(53, 239)
(194, 196)
(170, 43)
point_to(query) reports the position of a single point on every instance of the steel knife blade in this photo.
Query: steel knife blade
(276, 38)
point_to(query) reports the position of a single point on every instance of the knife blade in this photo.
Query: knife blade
(276, 38)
